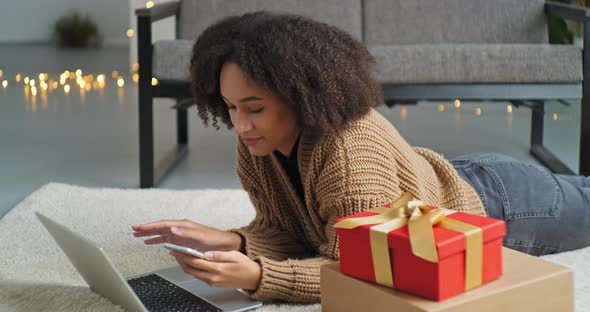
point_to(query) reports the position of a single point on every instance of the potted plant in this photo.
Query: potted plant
(75, 30)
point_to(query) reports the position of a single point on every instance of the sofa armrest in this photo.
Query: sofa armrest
(567, 11)
(145, 18)
(159, 11)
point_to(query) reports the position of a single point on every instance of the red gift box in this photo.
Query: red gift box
(433, 280)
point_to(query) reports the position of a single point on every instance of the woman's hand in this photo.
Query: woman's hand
(189, 234)
(229, 269)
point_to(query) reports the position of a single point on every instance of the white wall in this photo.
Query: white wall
(23, 21)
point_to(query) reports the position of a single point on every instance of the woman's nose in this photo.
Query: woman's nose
(242, 124)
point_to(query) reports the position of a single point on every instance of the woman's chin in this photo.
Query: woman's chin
(257, 151)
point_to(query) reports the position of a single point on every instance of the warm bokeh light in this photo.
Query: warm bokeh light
(115, 74)
(1, 73)
(5, 83)
(67, 89)
(478, 111)
(135, 67)
(457, 103)
(82, 84)
(403, 112)
(509, 108)
(135, 77)
(42, 76)
(33, 91)
(120, 82)
(17, 78)
(441, 108)
(26, 80)
(100, 78)
(555, 116)
(149, 4)
(154, 81)
(130, 33)
(78, 72)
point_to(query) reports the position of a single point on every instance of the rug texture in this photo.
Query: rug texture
(36, 276)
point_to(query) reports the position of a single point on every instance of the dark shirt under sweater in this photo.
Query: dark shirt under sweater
(290, 166)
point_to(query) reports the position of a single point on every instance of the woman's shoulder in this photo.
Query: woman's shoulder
(371, 138)
(359, 161)
(371, 129)
(373, 120)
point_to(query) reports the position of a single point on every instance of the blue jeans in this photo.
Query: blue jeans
(544, 212)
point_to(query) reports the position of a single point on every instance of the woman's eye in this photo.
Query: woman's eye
(256, 110)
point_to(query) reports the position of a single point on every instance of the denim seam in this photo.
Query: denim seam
(482, 159)
(476, 184)
(501, 191)
(510, 215)
(528, 244)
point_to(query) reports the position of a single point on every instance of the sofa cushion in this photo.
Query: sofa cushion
(454, 21)
(473, 63)
(196, 15)
(172, 59)
(445, 63)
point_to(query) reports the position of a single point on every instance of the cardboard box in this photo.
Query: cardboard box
(528, 284)
(433, 280)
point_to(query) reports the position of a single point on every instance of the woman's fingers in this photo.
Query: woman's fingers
(173, 239)
(205, 276)
(161, 227)
(175, 236)
(157, 240)
(201, 269)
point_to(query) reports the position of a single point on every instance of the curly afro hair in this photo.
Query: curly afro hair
(322, 72)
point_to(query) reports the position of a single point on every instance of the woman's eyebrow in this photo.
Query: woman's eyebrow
(246, 99)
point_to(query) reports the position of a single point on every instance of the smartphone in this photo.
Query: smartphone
(186, 250)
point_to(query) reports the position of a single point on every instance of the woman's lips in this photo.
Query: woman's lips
(251, 141)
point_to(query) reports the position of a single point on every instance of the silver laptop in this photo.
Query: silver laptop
(165, 290)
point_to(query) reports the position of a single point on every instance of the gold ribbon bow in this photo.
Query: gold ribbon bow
(420, 219)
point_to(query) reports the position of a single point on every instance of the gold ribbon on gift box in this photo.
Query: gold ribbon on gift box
(420, 219)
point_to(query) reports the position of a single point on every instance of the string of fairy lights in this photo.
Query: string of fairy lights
(43, 82)
(457, 104)
(67, 80)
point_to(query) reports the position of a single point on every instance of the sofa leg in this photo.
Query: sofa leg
(146, 140)
(537, 116)
(181, 126)
(584, 161)
(538, 150)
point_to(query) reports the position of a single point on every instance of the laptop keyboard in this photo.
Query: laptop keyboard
(158, 294)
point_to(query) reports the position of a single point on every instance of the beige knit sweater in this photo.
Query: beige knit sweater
(366, 165)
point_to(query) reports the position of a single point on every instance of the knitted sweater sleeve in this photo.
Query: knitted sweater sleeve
(341, 189)
(262, 237)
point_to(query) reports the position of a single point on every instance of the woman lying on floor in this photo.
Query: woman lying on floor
(300, 96)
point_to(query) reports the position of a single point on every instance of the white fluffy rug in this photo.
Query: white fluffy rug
(36, 276)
